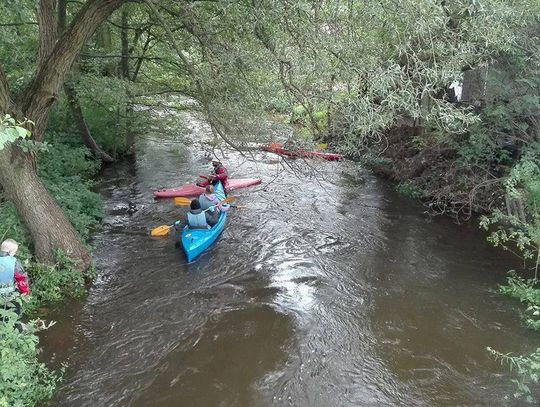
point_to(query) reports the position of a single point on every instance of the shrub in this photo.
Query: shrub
(23, 380)
(53, 284)
(408, 189)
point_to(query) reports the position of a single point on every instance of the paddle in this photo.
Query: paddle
(161, 231)
(181, 201)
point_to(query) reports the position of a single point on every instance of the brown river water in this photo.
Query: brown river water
(329, 289)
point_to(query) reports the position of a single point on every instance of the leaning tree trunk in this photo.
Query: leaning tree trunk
(47, 223)
(49, 228)
(84, 131)
(124, 70)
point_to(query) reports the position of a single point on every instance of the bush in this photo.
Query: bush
(66, 172)
(23, 380)
(12, 227)
(527, 367)
(522, 230)
(408, 189)
(54, 284)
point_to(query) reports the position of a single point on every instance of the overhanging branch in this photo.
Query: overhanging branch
(192, 73)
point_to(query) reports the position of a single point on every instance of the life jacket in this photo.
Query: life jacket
(7, 274)
(207, 202)
(197, 220)
(223, 175)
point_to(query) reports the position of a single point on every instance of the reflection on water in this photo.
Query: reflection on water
(327, 291)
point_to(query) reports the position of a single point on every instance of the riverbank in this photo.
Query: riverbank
(68, 172)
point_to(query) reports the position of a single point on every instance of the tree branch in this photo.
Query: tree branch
(37, 99)
(4, 92)
(46, 16)
(18, 24)
(212, 120)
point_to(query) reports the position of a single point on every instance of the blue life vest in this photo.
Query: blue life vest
(7, 274)
(197, 221)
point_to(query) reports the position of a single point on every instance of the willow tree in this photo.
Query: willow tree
(47, 223)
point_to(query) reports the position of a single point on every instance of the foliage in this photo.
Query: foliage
(18, 41)
(24, 381)
(11, 130)
(67, 173)
(523, 227)
(410, 190)
(527, 367)
(12, 227)
(54, 284)
(522, 230)
(528, 292)
(528, 370)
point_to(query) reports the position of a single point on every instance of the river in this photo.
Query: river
(329, 289)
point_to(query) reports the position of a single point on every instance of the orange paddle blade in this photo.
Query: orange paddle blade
(229, 199)
(182, 201)
(161, 231)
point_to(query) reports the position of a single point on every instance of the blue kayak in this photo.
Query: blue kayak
(197, 241)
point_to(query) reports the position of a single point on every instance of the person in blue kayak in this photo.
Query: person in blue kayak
(208, 199)
(196, 218)
(210, 203)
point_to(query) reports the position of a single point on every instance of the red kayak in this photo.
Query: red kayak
(195, 190)
(278, 149)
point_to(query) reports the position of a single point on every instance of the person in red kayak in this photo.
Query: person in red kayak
(218, 174)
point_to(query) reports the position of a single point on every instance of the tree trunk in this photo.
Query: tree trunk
(48, 225)
(41, 93)
(48, 32)
(84, 131)
(124, 70)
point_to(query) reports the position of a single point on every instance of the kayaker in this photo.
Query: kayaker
(13, 280)
(208, 199)
(210, 203)
(218, 174)
(196, 218)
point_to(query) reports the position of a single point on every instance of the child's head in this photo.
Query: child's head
(195, 205)
(209, 190)
(9, 246)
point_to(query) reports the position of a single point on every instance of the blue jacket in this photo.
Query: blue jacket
(7, 274)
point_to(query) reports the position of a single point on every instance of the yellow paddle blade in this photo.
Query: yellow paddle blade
(161, 231)
(229, 199)
(182, 201)
(322, 146)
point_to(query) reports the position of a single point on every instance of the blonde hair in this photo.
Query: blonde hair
(10, 246)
